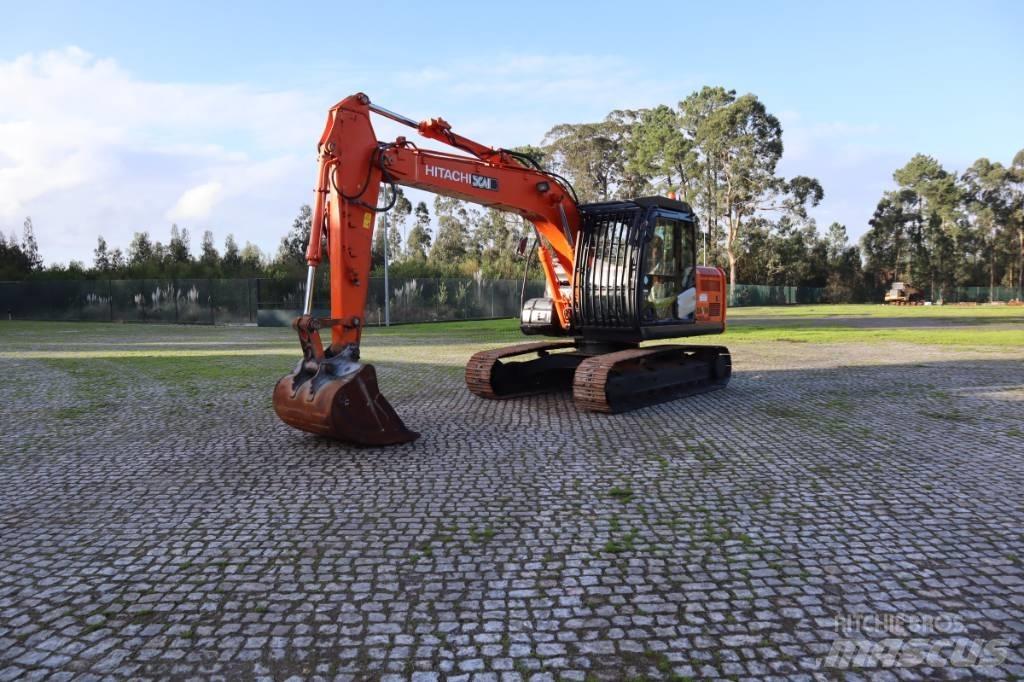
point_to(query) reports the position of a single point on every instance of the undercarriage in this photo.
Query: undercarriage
(609, 378)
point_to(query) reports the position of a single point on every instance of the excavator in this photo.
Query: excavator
(617, 273)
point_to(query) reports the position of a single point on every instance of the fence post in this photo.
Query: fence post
(110, 300)
(248, 296)
(174, 293)
(209, 284)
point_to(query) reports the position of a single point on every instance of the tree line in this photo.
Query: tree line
(719, 151)
(467, 241)
(940, 230)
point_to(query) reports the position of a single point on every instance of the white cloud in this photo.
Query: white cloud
(197, 202)
(851, 160)
(853, 142)
(90, 149)
(516, 98)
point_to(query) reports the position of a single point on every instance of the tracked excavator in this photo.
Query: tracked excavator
(617, 273)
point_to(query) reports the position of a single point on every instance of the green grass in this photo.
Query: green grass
(954, 325)
(446, 329)
(481, 534)
(868, 310)
(625, 544)
(621, 494)
(231, 354)
(927, 336)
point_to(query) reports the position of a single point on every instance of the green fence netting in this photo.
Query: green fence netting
(182, 301)
(411, 299)
(981, 294)
(277, 301)
(762, 294)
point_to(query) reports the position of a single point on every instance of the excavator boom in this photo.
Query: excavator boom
(330, 392)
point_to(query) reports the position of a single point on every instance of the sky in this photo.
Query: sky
(117, 117)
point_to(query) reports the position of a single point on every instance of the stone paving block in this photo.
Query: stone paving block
(156, 525)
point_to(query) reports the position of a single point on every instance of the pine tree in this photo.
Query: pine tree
(101, 259)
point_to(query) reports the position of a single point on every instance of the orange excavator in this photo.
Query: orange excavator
(617, 273)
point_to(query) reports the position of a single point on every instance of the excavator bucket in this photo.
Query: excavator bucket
(336, 396)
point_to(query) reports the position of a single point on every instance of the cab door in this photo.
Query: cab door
(667, 271)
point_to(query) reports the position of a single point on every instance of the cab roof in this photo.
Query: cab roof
(642, 202)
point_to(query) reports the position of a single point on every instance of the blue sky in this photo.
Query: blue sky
(117, 117)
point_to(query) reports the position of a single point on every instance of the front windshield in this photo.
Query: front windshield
(669, 270)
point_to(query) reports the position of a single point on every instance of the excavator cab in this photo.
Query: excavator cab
(636, 276)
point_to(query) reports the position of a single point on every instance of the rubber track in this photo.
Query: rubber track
(478, 369)
(591, 376)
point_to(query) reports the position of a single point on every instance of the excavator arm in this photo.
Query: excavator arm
(330, 392)
(354, 164)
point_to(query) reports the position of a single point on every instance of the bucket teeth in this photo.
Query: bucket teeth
(348, 408)
(333, 395)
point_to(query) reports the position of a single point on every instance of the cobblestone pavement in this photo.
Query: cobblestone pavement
(157, 520)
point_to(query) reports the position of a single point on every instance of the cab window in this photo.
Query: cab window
(669, 271)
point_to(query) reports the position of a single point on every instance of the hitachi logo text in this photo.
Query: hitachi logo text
(477, 181)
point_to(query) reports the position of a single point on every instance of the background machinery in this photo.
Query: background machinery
(617, 273)
(902, 293)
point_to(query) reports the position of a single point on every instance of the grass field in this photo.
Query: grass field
(967, 326)
(196, 359)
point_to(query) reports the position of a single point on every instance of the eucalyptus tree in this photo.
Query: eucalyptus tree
(742, 144)
(452, 242)
(658, 154)
(1017, 214)
(590, 155)
(892, 244)
(419, 241)
(704, 189)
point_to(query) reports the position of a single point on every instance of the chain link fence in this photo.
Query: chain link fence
(411, 299)
(264, 301)
(762, 294)
(981, 294)
(272, 302)
(181, 301)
